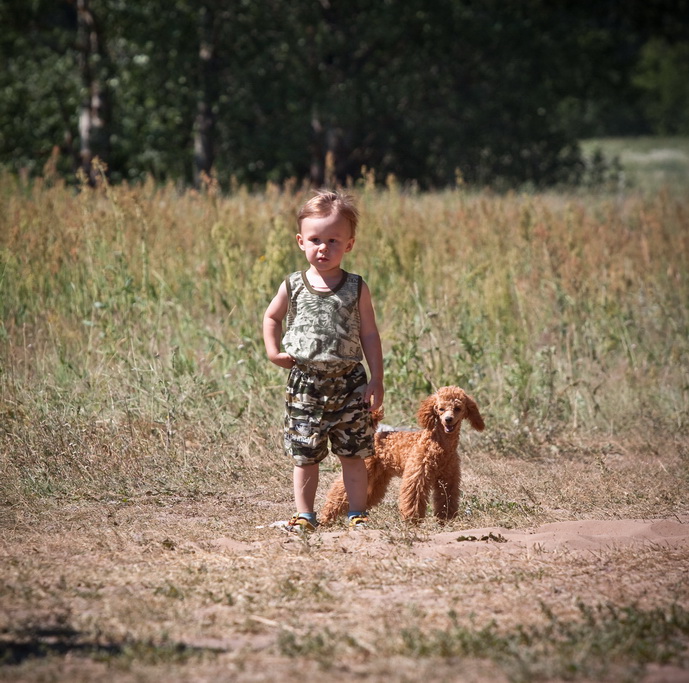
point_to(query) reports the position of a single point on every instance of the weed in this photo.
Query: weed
(320, 645)
(170, 591)
(588, 648)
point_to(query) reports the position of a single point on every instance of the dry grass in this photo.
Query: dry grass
(140, 439)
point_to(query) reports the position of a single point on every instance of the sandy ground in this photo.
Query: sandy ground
(590, 557)
(577, 536)
(91, 579)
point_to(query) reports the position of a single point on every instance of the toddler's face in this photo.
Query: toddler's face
(325, 241)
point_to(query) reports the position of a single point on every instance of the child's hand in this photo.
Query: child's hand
(374, 394)
(284, 360)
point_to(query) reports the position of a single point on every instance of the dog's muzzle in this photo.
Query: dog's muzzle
(449, 427)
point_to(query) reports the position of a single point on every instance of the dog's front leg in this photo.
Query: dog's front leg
(414, 492)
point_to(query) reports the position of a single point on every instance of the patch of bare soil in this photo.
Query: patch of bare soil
(184, 590)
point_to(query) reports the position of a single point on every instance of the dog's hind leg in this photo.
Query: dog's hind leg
(378, 480)
(336, 503)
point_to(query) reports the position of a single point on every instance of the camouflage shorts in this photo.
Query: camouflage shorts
(319, 408)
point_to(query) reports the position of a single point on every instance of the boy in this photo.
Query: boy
(331, 327)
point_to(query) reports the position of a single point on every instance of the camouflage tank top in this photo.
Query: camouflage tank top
(323, 327)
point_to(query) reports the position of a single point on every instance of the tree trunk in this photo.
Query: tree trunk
(94, 114)
(317, 153)
(324, 152)
(204, 126)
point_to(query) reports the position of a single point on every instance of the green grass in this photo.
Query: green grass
(648, 164)
(595, 647)
(130, 321)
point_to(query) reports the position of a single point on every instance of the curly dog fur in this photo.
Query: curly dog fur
(427, 460)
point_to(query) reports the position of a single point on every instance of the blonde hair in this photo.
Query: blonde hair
(327, 202)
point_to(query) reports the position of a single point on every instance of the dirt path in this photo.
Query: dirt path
(143, 592)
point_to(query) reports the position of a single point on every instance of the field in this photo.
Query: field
(650, 163)
(140, 425)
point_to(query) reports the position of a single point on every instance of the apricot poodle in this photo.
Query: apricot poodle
(427, 460)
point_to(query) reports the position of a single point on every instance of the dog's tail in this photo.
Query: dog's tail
(377, 417)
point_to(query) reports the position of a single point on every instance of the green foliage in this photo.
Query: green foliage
(39, 86)
(662, 74)
(321, 90)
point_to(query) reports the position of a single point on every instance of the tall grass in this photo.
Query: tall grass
(130, 320)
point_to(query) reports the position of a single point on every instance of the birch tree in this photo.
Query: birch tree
(95, 111)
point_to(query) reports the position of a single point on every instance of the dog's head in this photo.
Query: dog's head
(447, 408)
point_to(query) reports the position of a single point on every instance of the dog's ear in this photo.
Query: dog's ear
(426, 414)
(473, 415)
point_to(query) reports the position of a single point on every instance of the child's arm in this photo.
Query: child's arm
(370, 343)
(272, 328)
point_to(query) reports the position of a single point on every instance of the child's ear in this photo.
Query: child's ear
(300, 240)
(350, 245)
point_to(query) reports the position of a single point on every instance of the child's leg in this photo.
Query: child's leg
(305, 486)
(355, 479)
